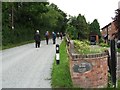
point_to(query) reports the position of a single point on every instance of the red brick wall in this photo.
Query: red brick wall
(112, 30)
(97, 77)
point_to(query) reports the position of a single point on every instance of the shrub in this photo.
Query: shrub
(104, 45)
(101, 40)
(83, 47)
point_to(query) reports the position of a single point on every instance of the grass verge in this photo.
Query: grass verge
(14, 45)
(60, 73)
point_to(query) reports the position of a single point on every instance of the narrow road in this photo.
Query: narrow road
(28, 67)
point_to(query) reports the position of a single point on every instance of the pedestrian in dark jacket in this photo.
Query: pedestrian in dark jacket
(61, 35)
(54, 37)
(37, 39)
(47, 35)
(58, 34)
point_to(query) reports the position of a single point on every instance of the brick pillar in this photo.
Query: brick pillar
(90, 71)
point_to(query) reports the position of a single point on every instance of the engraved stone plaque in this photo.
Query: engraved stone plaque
(83, 67)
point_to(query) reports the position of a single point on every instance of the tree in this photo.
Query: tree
(80, 25)
(81, 28)
(71, 30)
(95, 27)
(28, 17)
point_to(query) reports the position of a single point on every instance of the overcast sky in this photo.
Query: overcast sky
(102, 10)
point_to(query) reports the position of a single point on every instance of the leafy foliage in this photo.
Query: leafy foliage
(83, 47)
(104, 45)
(79, 25)
(27, 17)
(82, 26)
(71, 30)
(95, 27)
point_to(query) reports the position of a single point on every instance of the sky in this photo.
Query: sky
(102, 10)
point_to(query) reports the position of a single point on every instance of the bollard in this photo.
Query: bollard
(57, 54)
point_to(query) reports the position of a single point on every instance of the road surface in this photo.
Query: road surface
(28, 67)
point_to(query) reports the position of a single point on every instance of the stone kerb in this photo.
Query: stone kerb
(88, 71)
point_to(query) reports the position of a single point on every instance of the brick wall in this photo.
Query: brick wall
(97, 74)
(112, 31)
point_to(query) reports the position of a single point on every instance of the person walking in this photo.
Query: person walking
(37, 39)
(58, 34)
(61, 35)
(54, 37)
(47, 37)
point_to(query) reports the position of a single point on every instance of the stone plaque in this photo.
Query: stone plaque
(83, 67)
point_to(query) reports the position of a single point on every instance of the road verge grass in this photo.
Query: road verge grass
(60, 73)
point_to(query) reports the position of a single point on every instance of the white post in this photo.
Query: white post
(57, 54)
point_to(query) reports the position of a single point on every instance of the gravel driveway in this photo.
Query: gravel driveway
(28, 67)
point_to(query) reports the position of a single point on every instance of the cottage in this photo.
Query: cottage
(109, 31)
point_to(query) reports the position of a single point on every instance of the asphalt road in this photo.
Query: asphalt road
(28, 67)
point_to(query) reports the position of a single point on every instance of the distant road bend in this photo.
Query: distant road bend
(28, 67)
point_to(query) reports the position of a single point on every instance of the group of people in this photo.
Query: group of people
(59, 35)
(37, 37)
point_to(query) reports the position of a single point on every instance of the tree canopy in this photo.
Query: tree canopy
(20, 20)
(95, 27)
(79, 25)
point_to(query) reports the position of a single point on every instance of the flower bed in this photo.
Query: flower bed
(104, 45)
(83, 47)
